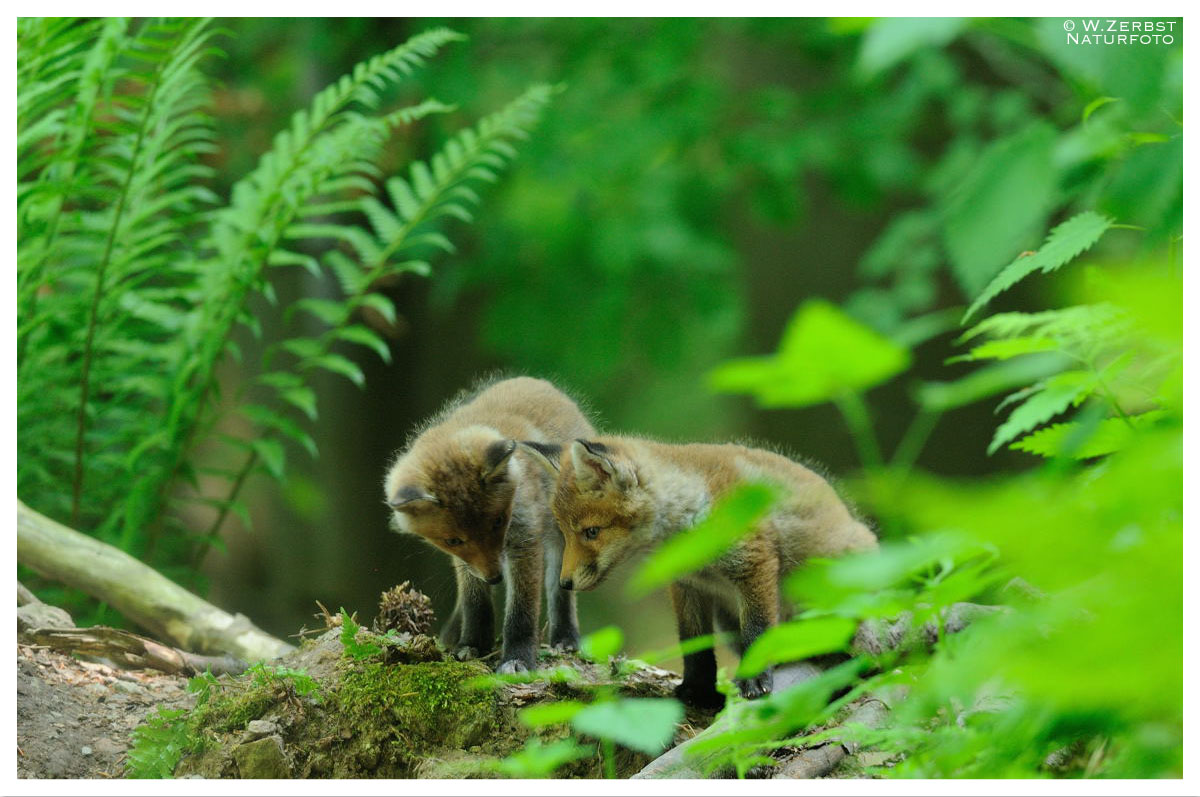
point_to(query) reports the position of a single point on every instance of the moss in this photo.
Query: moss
(428, 704)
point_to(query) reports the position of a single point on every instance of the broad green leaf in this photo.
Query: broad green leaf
(1064, 243)
(538, 759)
(891, 40)
(599, 645)
(555, 713)
(794, 641)
(731, 518)
(1112, 434)
(1054, 396)
(824, 354)
(1000, 207)
(643, 724)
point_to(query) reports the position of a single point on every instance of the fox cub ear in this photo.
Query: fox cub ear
(545, 454)
(495, 458)
(412, 499)
(596, 468)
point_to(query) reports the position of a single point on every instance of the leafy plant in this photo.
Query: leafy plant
(158, 744)
(137, 283)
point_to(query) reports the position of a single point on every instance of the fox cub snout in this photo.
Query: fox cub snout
(615, 497)
(465, 487)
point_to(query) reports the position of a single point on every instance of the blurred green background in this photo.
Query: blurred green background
(694, 183)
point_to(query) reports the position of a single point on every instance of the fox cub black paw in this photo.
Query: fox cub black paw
(757, 686)
(703, 696)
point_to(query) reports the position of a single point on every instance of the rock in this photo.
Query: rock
(86, 750)
(262, 759)
(41, 615)
(258, 728)
(128, 688)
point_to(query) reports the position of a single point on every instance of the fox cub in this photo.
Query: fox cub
(465, 487)
(618, 496)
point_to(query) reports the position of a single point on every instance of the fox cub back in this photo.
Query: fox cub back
(465, 487)
(615, 497)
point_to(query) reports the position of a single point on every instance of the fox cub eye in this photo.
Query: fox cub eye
(454, 542)
(498, 523)
(591, 532)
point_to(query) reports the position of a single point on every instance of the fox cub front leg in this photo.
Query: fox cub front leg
(758, 602)
(560, 603)
(522, 609)
(471, 630)
(694, 617)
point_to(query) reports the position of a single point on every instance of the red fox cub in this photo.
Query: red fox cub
(464, 487)
(618, 496)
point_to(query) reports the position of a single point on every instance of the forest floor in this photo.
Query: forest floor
(74, 718)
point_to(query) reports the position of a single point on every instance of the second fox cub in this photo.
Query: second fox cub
(465, 487)
(618, 496)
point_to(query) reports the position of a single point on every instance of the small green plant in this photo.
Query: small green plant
(646, 725)
(158, 744)
(351, 647)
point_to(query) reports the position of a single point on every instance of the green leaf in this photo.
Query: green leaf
(158, 744)
(540, 760)
(599, 645)
(1053, 396)
(998, 209)
(824, 354)
(555, 713)
(339, 365)
(731, 519)
(1096, 105)
(988, 381)
(1112, 434)
(795, 641)
(643, 724)
(889, 41)
(302, 397)
(1007, 349)
(365, 337)
(272, 456)
(1064, 243)
(325, 310)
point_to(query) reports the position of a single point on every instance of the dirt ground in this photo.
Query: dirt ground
(74, 717)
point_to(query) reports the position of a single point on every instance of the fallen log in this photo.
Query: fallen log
(140, 593)
(131, 651)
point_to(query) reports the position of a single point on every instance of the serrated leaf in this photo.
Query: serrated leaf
(1055, 395)
(303, 398)
(1007, 348)
(1064, 243)
(1112, 434)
